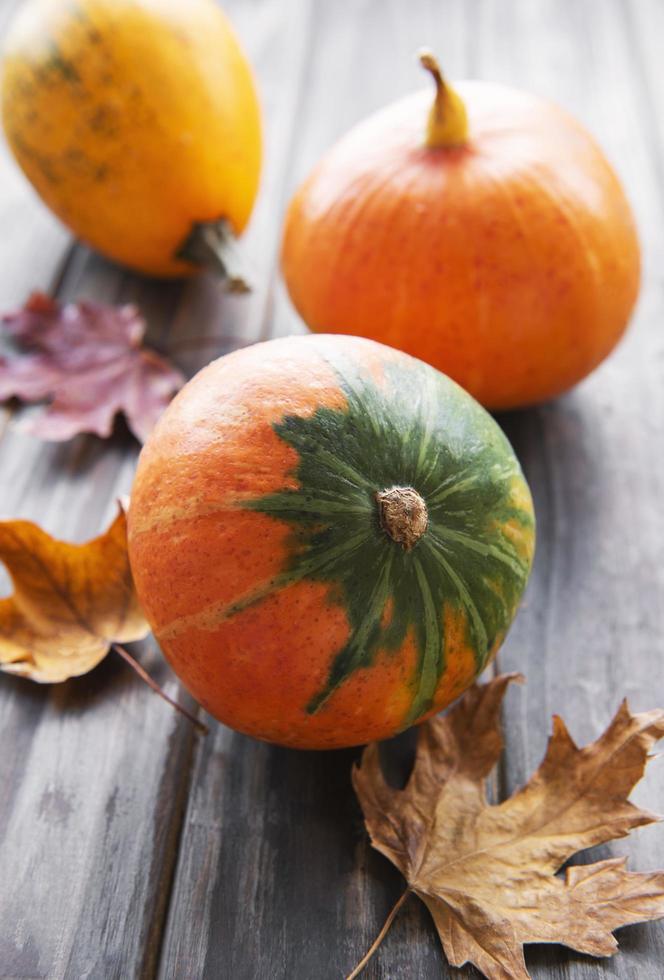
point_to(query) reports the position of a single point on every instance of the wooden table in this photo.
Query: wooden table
(131, 848)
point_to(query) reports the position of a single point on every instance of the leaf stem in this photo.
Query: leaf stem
(381, 935)
(143, 674)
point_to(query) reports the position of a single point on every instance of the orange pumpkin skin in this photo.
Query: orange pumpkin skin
(209, 553)
(511, 263)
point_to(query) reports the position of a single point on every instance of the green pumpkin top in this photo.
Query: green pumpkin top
(412, 495)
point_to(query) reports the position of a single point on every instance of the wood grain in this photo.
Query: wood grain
(131, 849)
(591, 632)
(93, 773)
(33, 242)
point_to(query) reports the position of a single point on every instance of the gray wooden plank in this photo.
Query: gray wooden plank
(28, 229)
(275, 875)
(588, 631)
(94, 792)
(274, 38)
(591, 630)
(94, 771)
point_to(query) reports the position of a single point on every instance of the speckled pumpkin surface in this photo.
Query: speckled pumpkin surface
(509, 259)
(330, 539)
(136, 121)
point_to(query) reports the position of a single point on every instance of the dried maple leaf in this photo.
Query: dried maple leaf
(488, 873)
(89, 359)
(70, 601)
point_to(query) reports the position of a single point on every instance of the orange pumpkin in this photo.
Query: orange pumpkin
(329, 539)
(495, 242)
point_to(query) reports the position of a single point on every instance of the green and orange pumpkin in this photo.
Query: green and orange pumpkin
(329, 538)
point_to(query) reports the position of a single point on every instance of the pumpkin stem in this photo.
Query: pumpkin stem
(403, 515)
(213, 245)
(448, 121)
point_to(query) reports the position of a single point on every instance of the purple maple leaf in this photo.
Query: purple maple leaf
(89, 359)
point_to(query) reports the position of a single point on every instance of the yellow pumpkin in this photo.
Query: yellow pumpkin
(137, 122)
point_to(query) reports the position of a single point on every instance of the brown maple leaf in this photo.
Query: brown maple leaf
(89, 359)
(71, 604)
(488, 873)
(70, 601)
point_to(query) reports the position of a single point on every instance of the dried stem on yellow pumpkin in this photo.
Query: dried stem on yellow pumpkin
(213, 245)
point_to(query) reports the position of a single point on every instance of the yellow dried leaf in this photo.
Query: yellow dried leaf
(488, 873)
(70, 601)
